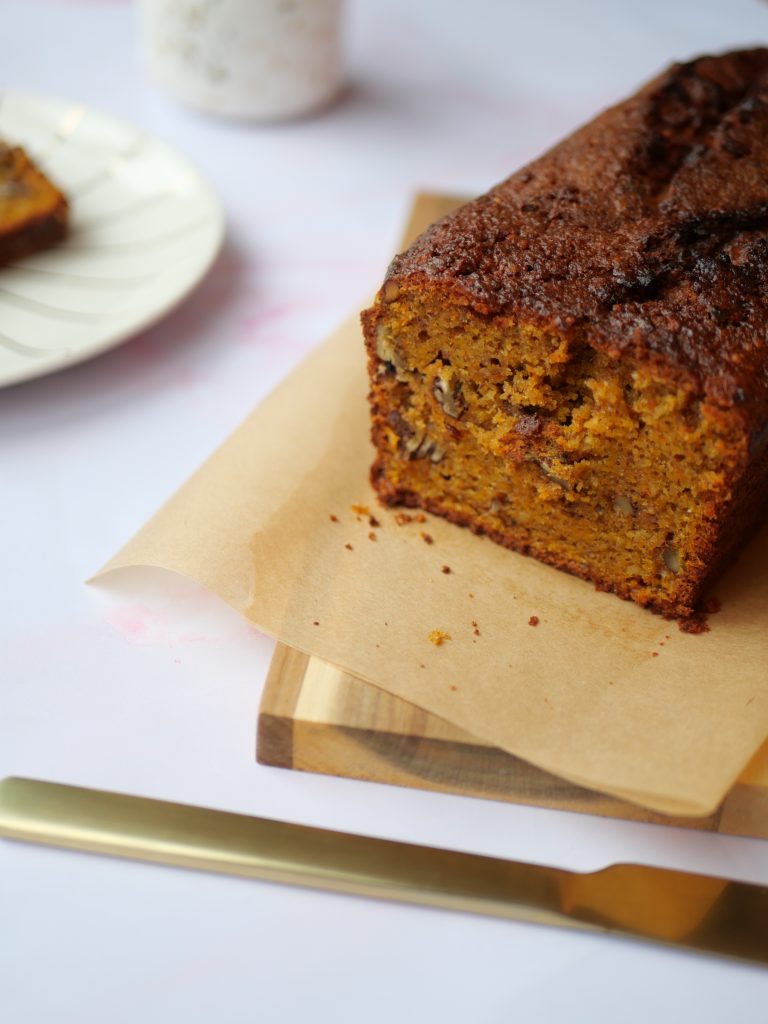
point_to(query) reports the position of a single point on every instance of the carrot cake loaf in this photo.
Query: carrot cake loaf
(576, 363)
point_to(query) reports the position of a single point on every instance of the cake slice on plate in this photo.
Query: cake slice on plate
(33, 212)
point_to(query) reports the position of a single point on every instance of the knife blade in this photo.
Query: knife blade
(696, 912)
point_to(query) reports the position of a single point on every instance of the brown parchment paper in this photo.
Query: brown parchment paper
(600, 692)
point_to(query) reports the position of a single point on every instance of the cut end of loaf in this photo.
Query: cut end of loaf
(588, 461)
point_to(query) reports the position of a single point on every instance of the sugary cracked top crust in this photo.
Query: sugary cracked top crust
(647, 229)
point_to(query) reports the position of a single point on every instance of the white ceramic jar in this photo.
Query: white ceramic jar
(258, 59)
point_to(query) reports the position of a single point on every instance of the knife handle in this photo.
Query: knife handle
(275, 851)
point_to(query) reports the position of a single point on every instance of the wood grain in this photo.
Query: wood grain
(314, 717)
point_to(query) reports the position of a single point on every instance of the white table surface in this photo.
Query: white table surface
(151, 686)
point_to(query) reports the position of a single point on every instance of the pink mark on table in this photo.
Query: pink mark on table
(267, 316)
(143, 625)
(187, 378)
(133, 622)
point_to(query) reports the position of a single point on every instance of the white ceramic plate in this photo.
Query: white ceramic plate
(144, 229)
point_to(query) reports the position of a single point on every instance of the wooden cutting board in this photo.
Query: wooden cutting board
(314, 717)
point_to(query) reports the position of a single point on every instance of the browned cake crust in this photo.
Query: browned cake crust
(33, 212)
(639, 245)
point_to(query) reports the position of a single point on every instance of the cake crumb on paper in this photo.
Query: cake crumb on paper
(446, 569)
(371, 535)
(360, 510)
(334, 519)
(427, 538)
(534, 620)
(438, 637)
(349, 547)
(696, 624)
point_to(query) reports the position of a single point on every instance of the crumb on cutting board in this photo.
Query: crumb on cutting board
(438, 637)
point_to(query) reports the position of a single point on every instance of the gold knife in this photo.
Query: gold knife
(697, 912)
